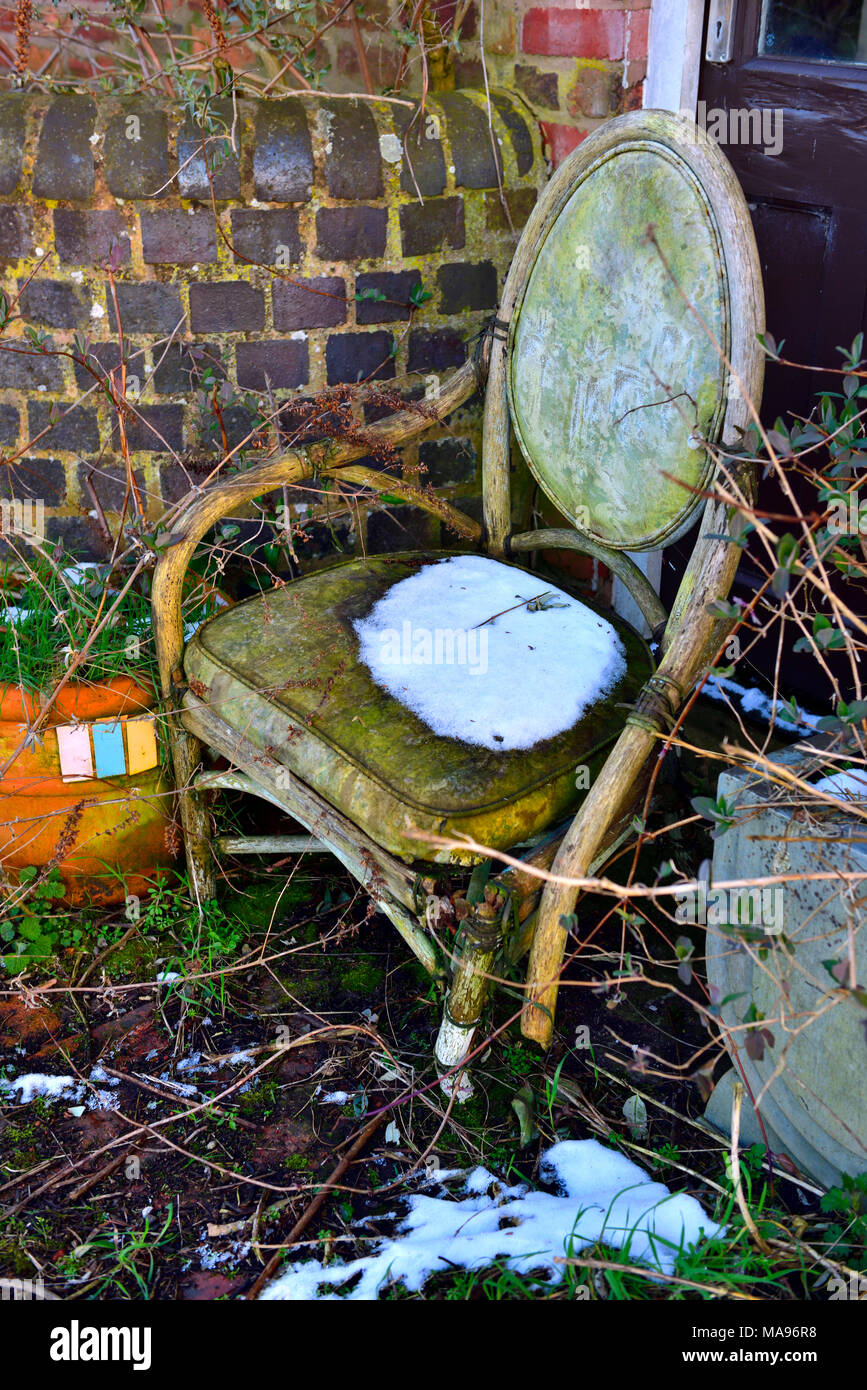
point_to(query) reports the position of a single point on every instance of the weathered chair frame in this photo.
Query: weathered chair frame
(689, 638)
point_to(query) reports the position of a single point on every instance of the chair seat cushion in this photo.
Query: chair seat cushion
(284, 669)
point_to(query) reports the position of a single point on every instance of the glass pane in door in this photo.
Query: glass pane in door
(819, 31)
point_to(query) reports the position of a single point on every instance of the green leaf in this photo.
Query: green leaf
(30, 928)
(523, 1106)
(720, 609)
(769, 343)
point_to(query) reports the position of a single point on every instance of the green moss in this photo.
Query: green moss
(261, 903)
(260, 1100)
(131, 960)
(362, 978)
(297, 1163)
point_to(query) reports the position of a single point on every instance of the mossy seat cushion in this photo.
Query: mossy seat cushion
(283, 670)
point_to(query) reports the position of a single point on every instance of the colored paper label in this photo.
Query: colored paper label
(73, 745)
(141, 744)
(108, 748)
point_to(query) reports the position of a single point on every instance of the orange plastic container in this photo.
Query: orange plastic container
(115, 834)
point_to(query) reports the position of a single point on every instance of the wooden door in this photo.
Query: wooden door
(789, 108)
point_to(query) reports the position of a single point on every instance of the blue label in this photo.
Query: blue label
(108, 750)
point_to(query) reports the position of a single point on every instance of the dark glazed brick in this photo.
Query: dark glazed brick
(78, 535)
(42, 479)
(431, 226)
(350, 234)
(178, 238)
(108, 358)
(380, 410)
(471, 507)
(238, 423)
(469, 72)
(137, 168)
(24, 369)
(283, 158)
(16, 232)
(396, 285)
(109, 484)
(317, 301)
(475, 161)
(148, 308)
(76, 432)
(284, 363)
(519, 134)
(64, 158)
(305, 420)
(183, 368)
(538, 87)
(467, 287)
(8, 424)
(167, 420)
(263, 237)
(12, 127)
(176, 481)
(317, 542)
(52, 302)
(222, 162)
(400, 528)
(229, 306)
(85, 238)
(359, 357)
(447, 461)
(520, 202)
(353, 165)
(425, 165)
(434, 349)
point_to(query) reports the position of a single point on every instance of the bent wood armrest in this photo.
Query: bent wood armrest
(294, 466)
(639, 586)
(216, 502)
(686, 647)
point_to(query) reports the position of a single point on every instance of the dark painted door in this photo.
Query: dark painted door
(790, 111)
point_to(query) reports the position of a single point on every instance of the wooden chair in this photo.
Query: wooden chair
(624, 349)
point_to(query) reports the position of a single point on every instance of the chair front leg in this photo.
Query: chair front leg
(690, 643)
(467, 996)
(195, 820)
(575, 859)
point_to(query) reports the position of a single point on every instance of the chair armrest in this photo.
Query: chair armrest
(329, 457)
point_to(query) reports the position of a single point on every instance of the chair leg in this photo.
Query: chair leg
(195, 821)
(466, 999)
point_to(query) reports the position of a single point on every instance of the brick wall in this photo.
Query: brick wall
(315, 207)
(577, 64)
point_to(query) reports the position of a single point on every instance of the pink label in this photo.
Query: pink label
(73, 744)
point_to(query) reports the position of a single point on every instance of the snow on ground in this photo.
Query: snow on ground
(24, 1089)
(502, 684)
(21, 1090)
(851, 783)
(758, 704)
(598, 1194)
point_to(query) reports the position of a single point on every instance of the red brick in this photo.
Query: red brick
(580, 33)
(560, 140)
(637, 34)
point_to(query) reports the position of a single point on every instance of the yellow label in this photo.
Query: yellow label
(141, 744)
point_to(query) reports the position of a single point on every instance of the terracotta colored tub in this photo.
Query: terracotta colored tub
(87, 792)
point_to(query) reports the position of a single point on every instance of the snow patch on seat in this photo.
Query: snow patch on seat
(489, 654)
